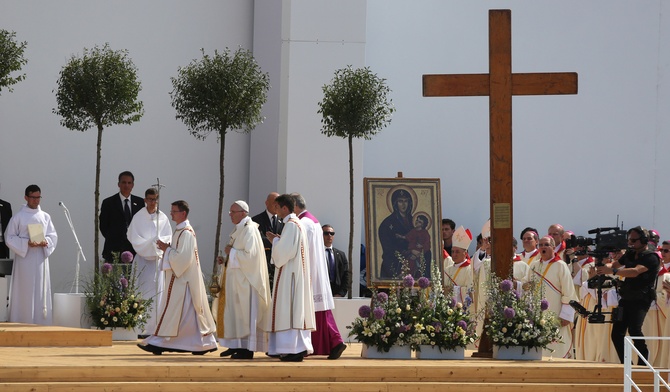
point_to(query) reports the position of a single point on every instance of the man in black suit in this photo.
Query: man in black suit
(338, 267)
(268, 221)
(116, 213)
(5, 215)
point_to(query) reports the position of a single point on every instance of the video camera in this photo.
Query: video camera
(608, 239)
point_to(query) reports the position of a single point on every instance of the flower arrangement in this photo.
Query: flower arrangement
(112, 298)
(519, 318)
(413, 316)
(440, 321)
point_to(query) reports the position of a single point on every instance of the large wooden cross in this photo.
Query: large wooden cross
(499, 85)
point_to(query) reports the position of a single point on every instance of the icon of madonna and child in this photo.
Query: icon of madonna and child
(405, 234)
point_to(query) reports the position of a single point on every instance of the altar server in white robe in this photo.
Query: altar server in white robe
(148, 225)
(459, 276)
(30, 297)
(292, 310)
(185, 323)
(247, 287)
(326, 340)
(559, 290)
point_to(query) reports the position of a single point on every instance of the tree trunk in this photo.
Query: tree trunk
(96, 216)
(351, 214)
(218, 220)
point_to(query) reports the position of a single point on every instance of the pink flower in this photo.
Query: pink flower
(127, 257)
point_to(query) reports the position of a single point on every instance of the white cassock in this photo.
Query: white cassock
(318, 266)
(559, 290)
(247, 290)
(481, 276)
(654, 322)
(30, 295)
(292, 309)
(185, 321)
(143, 232)
(529, 257)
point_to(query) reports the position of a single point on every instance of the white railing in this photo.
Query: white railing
(628, 369)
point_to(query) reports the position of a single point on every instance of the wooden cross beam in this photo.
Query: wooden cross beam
(500, 84)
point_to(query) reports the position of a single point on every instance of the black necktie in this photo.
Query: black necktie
(274, 224)
(331, 263)
(126, 212)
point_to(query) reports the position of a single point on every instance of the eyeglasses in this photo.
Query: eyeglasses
(545, 245)
(233, 212)
(665, 250)
(330, 233)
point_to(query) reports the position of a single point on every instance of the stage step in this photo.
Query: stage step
(30, 335)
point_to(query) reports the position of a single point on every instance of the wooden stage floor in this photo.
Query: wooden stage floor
(124, 367)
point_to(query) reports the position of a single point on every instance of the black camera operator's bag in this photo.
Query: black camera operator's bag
(632, 294)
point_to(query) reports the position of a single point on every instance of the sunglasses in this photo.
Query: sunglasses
(330, 233)
(665, 250)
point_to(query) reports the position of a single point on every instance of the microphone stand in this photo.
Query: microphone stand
(80, 252)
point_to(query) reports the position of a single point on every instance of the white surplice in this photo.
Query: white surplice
(292, 310)
(318, 265)
(143, 232)
(185, 321)
(30, 296)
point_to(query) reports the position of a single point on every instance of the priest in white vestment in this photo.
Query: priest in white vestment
(31, 235)
(559, 290)
(292, 310)
(247, 288)
(185, 323)
(148, 225)
(459, 276)
(326, 340)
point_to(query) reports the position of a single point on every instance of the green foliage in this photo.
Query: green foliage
(355, 104)
(98, 89)
(11, 59)
(218, 92)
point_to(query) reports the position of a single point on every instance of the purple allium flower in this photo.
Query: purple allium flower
(106, 268)
(424, 282)
(517, 294)
(379, 313)
(462, 324)
(403, 328)
(437, 325)
(544, 304)
(509, 313)
(451, 302)
(124, 282)
(364, 311)
(382, 298)
(408, 281)
(126, 257)
(506, 285)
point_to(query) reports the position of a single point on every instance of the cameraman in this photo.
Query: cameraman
(639, 267)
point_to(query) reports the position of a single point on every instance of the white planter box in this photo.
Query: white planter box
(121, 334)
(396, 352)
(517, 353)
(433, 352)
(346, 310)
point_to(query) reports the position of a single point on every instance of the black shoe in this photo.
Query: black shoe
(203, 352)
(150, 348)
(273, 355)
(337, 351)
(293, 357)
(143, 336)
(242, 354)
(228, 352)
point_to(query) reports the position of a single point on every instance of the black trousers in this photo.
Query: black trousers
(633, 314)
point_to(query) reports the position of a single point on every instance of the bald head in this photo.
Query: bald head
(270, 202)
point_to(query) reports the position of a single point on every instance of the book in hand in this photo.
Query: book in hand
(36, 233)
